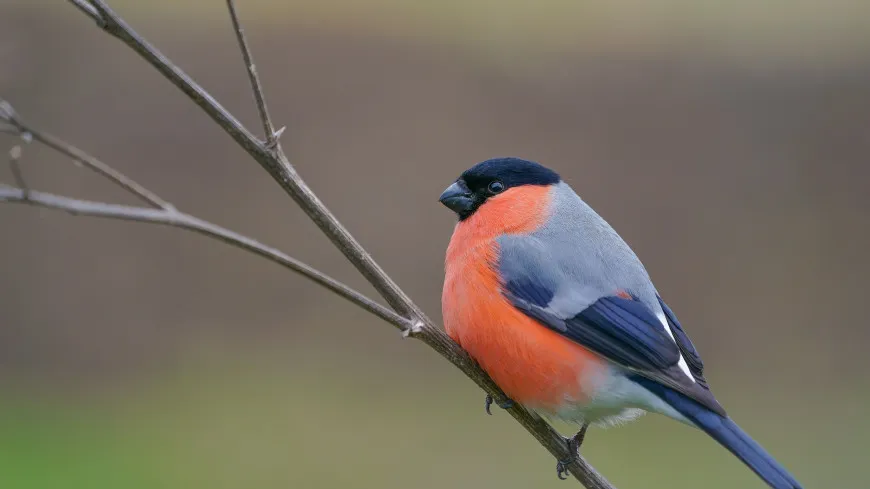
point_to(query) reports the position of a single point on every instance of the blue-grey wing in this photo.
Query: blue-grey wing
(601, 314)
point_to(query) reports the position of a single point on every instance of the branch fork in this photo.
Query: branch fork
(414, 329)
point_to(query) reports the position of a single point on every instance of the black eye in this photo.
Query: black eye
(495, 187)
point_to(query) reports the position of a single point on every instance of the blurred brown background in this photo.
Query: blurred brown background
(728, 144)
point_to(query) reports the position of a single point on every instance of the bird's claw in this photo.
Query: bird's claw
(574, 449)
(506, 404)
(562, 469)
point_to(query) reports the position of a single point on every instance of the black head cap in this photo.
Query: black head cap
(492, 177)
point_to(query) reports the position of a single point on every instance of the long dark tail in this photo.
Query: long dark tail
(729, 435)
(739, 443)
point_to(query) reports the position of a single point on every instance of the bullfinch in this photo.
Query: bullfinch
(560, 312)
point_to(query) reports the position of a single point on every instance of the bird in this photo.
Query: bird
(560, 312)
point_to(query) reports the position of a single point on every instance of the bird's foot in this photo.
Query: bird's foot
(574, 449)
(506, 404)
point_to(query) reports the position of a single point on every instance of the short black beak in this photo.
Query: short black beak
(457, 198)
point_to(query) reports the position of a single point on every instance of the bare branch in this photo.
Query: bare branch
(277, 165)
(165, 213)
(8, 114)
(171, 217)
(256, 87)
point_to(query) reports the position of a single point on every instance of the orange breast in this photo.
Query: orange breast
(532, 364)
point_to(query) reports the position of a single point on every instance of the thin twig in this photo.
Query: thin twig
(85, 159)
(256, 86)
(277, 165)
(169, 217)
(17, 175)
(88, 9)
(115, 25)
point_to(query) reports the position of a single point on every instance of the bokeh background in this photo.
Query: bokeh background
(729, 144)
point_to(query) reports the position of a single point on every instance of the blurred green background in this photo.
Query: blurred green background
(728, 143)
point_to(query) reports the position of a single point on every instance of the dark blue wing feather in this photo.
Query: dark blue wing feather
(625, 331)
(693, 359)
